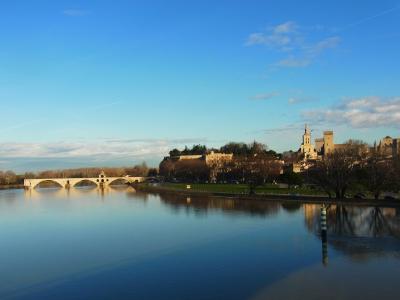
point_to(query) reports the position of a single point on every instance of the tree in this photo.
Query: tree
(337, 171)
(256, 169)
(257, 148)
(377, 173)
(10, 177)
(153, 172)
(167, 168)
(174, 152)
(235, 148)
(192, 170)
(291, 178)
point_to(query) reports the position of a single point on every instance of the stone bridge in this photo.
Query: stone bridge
(101, 181)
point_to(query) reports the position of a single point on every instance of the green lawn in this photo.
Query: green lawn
(240, 188)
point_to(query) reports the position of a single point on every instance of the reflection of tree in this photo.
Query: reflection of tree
(358, 231)
(355, 221)
(203, 204)
(291, 207)
(340, 221)
(136, 194)
(382, 224)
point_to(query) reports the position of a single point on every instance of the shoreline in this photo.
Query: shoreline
(294, 198)
(308, 199)
(11, 187)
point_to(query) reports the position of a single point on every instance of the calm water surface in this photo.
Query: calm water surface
(118, 244)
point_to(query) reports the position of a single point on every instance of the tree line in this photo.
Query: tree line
(253, 164)
(229, 148)
(358, 169)
(353, 169)
(140, 170)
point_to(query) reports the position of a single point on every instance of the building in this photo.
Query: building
(307, 149)
(389, 146)
(322, 146)
(328, 146)
(214, 162)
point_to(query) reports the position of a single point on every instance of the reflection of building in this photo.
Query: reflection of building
(311, 216)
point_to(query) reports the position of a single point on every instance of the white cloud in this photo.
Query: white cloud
(293, 62)
(301, 99)
(282, 36)
(135, 148)
(287, 27)
(265, 96)
(75, 12)
(291, 39)
(365, 112)
(322, 45)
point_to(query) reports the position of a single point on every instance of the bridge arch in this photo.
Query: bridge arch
(75, 182)
(118, 179)
(36, 183)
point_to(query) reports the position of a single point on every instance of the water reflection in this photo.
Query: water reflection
(61, 193)
(92, 242)
(357, 231)
(202, 204)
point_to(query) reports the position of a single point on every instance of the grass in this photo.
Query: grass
(241, 188)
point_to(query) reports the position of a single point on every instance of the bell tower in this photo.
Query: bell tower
(306, 136)
(306, 147)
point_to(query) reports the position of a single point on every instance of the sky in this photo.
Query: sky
(114, 83)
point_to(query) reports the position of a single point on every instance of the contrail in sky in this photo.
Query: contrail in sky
(359, 22)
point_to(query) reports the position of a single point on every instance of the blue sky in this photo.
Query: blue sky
(85, 83)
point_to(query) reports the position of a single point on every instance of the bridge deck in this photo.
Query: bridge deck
(71, 182)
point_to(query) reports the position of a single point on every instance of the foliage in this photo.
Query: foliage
(255, 169)
(9, 177)
(291, 178)
(195, 150)
(377, 173)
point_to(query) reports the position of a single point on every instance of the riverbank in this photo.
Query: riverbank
(11, 186)
(268, 194)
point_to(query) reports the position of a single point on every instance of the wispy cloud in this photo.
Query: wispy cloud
(294, 62)
(282, 37)
(319, 47)
(264, 96)
(113, 148)
(291, 39)
(75, 12)
(367, 112)
(300, 99)
(288, 128)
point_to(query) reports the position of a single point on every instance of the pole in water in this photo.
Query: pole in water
(324, 239)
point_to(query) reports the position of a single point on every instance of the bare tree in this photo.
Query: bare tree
(337, 171)
(256, 169)
(377, 173)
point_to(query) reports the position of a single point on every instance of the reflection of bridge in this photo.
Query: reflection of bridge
(101, 181)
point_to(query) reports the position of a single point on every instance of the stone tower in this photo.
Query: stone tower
(306, 136)
(329, 146)
(306, 147)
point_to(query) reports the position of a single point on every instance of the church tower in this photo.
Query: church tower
(306, 147)
(306, 136)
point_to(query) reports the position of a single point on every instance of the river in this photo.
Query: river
(86, 243)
